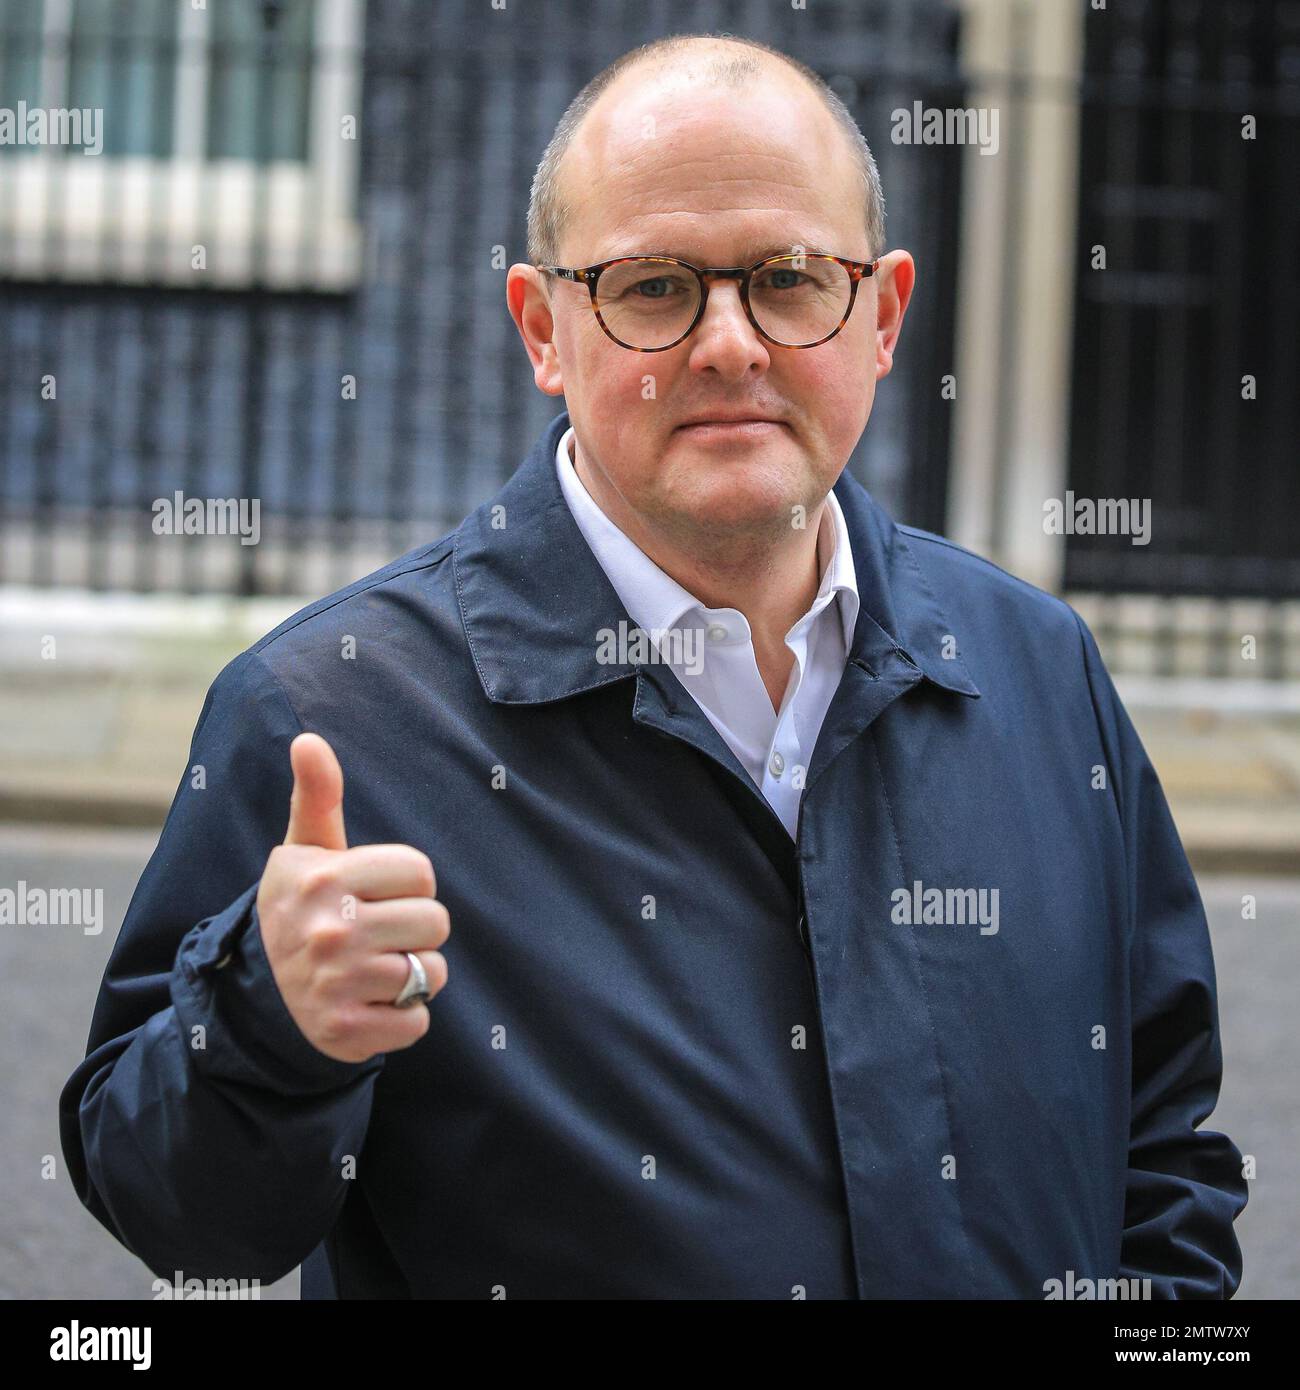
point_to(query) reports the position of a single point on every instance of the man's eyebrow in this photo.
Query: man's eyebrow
(747, 257)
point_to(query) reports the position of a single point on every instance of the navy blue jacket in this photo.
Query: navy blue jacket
(680, 1055)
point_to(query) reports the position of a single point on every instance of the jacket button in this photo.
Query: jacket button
(802, 929)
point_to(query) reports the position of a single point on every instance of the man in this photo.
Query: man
(820, 927)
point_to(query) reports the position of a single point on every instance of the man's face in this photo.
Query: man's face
(718, 178)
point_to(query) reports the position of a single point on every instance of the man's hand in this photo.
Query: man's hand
(335, 921)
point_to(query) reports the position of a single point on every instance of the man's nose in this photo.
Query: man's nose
(724, 331)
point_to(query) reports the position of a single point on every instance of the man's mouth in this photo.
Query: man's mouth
(731, 427)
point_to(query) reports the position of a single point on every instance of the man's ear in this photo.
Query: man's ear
(528, 297)
(894, 280)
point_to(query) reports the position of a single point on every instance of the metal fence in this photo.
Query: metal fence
(1185, 351)
(344, 353)
(1185, 343)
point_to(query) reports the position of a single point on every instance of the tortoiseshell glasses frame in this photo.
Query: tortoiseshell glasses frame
(590, 276)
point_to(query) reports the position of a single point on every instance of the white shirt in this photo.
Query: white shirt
(775, 747)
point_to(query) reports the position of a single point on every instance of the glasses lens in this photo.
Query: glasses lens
(647, 304)
(800, 299)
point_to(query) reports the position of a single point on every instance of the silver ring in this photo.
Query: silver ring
(416, 988)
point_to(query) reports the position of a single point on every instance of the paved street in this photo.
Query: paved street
(51, 1247)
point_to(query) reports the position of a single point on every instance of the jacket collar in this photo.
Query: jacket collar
(533, 597)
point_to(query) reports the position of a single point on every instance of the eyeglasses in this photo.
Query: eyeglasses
(651, 303)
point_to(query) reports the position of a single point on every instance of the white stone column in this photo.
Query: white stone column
(1016, 284)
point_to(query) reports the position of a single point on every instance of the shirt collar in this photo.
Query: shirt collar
(534, 599)
(655, 601)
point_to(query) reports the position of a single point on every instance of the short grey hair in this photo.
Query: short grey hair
(548, 213)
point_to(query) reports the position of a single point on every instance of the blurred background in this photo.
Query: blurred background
(272, 268)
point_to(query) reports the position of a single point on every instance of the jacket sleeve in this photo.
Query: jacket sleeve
(203, 1129)
(1185, 1185)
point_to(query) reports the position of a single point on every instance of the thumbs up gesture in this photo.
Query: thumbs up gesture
(336, 922)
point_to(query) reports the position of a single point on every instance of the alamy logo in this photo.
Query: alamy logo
(635, 646)
(949, 125)
(179, 515)
(77, 1343)
(52, 907)
(195, 1288)
(54, 125)
(954, 907)
(1098, 516)
(1097, 1289)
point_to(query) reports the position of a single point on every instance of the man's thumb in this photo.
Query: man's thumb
(316, 806)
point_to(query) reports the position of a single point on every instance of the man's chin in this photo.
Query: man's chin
(765, 514)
